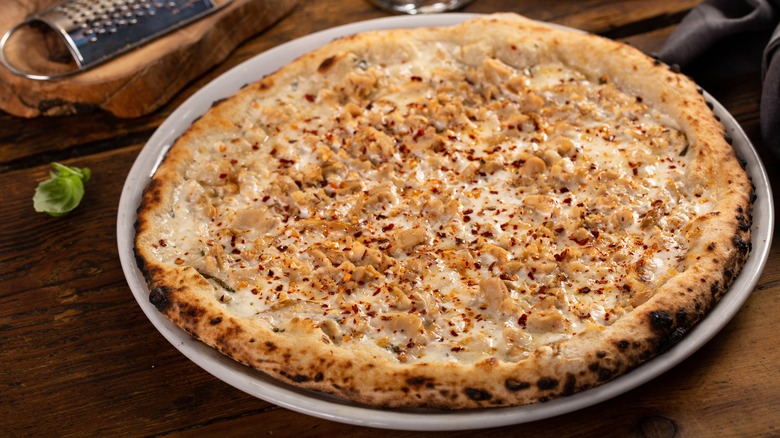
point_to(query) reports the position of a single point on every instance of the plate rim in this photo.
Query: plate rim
(332, 408)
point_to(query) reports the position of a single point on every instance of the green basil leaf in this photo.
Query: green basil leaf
(63, 192)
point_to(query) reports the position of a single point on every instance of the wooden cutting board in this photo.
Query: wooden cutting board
(140, 81)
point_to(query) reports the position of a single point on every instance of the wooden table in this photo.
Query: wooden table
(78, 356)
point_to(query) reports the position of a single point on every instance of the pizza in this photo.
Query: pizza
(496, 213)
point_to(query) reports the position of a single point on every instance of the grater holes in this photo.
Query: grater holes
(96, 18)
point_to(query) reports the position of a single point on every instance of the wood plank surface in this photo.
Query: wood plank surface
(79, 358)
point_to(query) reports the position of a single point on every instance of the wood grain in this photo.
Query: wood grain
(139, 81)
(79, 357)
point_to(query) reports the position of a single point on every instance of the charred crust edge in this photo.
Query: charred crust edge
(477, 394)
(160, 297)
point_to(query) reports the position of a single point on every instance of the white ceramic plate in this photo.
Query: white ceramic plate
(335, 409)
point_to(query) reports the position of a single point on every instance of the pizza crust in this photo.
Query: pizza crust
(302, 355)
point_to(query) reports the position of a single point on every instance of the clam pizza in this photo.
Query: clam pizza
(495, 213)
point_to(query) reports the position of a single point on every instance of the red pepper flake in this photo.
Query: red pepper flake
(222, 175)
(543, 289)
(583, 290)
(454, 333)
(561, 255)
(466, 218)
(456, 349)
(513, 47)
(388, 227)
(162, 243)
(522, 321)
(416, 79)
(309, 97)
(255, 147)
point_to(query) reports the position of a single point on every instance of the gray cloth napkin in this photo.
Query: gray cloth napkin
(723, 37)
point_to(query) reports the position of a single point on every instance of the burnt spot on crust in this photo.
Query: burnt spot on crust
(673, 338)
(477, 394)
(270, 346)
(516, 385)
(739, 243)
(160, 298)
(605, 374)
(300, 378)
(715, 288)
(570, 386)
(744, 223)
(216, 320)
(671, 331)
(218, 101)
(318, 377)
(682, 317)
(622, 345)
(601, 354)
(661, 320)
(420, 381)
(189, 310)
(711, 246)
(546, 383)
(142, 266)
(326, 64)
(139, 261)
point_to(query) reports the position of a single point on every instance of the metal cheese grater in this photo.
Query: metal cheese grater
(97, 30)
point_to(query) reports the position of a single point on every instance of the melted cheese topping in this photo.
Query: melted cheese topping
(434, 211)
